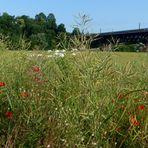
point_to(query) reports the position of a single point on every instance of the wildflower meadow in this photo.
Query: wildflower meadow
(73, 99)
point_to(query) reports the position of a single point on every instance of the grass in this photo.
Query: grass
(90, 100)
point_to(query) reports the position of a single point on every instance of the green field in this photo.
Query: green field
(85, 99)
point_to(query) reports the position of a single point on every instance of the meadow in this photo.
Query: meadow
(83, 99)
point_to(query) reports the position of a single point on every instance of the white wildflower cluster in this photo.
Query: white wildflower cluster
(39, 55)
(32, 55)
(53, 54)
(57, 53)
(74, 50)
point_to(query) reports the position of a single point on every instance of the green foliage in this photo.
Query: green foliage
(23, 44)
(3, 42)
(7, 24)
(39, 41)
(51, 22)
(61, 28)
(40, 18)
(63, 41)
(76, 32)
(128, 47)
(41, 30)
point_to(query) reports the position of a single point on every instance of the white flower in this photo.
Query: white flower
(48, 145)
(74, 49)
(50, 56)
(82, 139)
(59, 55)
(57, 51)
(39, 55)
(49, 50)
(73, 54)
(32, 55)
(62, 55)
(94, 143)
(63, 140)
(63, 50)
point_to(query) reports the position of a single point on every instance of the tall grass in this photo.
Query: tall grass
(89, 100)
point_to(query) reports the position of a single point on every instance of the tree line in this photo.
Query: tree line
(42, 32)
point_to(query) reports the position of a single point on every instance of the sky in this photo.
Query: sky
(106, 15)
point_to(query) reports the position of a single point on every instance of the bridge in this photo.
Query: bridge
(128, 36)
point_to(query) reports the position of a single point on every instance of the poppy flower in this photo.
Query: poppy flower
(2, 84)
(36, 69)
(120, 96)
(133, 121)
(9, 115)
(136, 123)
(141, 107)
(24, 94)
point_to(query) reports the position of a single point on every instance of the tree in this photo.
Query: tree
(41, 18)
(40, 23)
(51, 30)
(61, 28)
(51, 22)
(41, 30)
(76, 31)
(51, 38)
(39, 41)
(25, 22)
(7, 24)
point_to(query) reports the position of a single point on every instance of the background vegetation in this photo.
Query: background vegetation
(43, 33)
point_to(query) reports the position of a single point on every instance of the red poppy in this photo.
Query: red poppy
(24, 94)
(120, 96)
(133, 121)
(141, 107)
(2, 84)
(136, 123)
(9, 115)
(36, 69)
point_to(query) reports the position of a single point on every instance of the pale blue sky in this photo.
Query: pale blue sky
(106, 14)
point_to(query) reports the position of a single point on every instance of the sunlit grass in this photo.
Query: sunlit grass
(91, 99)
